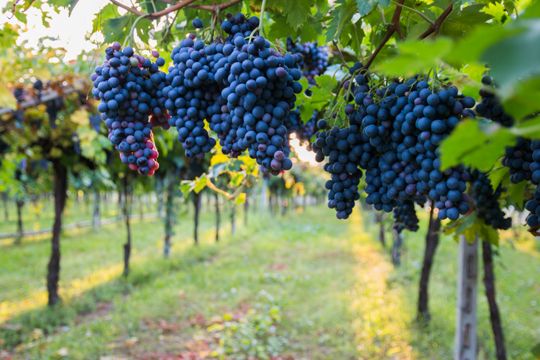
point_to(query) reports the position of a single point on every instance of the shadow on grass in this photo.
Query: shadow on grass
(48, 320)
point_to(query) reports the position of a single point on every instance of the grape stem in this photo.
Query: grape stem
(434, 28)
(155, 15)
(261, 18)
(216, 8)
(392, 28)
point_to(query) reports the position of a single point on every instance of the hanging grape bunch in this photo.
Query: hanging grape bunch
(405, 217)
(490, 106)
(128, 86)
(403, 124)
(487, 201)
(314, 58)
(242, 87)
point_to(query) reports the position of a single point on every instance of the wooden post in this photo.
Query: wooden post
(465, 345)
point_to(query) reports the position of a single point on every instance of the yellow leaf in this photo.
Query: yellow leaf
(240, 199)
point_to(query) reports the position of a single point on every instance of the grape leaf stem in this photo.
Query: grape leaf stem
(435, 27)
(392, 28)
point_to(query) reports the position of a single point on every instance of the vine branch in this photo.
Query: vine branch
(216, 8)
(435, 26)
(155, 15)
(392, 28)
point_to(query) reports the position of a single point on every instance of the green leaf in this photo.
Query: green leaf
(521, 100)
(118, 28)
(462, 21)
(200, 184)
(108, 12)
(297, 12)
(470, 145)
(470, 48)
(516, 58)
(415, 57)
(186, 187)
(516, 194)
(366, 6)
(341, 15)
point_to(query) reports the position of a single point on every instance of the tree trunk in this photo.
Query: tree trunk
(105, 202)
(159, 195)
(264, 203)
(120, 203)
(233, 219)
(6, 210)
(218, 215)
(60, 195)
(20, 228)
(246, 211)
(169, 215)
(379, 218)
(432, 242)
(396, 248)
(96, 213)
(197, 208)
(126, 210)
(494, 314)
(141, 207)
(465, 347)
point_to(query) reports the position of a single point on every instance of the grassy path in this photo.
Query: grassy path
(382, 328)
(327, 287)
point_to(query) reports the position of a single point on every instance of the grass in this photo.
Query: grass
(337, 294)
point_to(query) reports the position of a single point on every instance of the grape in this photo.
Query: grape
(405, 217)
(533, 206)
(518, 159)
(197, 23)
(490, 107)
(130, 89)
(314, 58)
(487, 203)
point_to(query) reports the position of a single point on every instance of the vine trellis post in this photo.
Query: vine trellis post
(465, 342)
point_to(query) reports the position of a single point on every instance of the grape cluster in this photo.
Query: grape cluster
(189, 93)
(487, 201)
(342, 147)
(518, 159)
(402, 124)
(490, 106)
(130, 89)
(244, 89)
(533, 206)
(314, 58)
(405, 217)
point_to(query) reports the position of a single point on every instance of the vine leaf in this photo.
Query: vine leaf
(470, 145)
(415, 57)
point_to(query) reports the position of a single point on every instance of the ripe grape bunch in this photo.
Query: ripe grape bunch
(242, 87)
(487, 201)
(314, 58)
(128, 86)
(490, 106)
(405, 217)
(401, 124)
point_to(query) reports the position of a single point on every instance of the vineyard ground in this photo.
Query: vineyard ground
(337, 293)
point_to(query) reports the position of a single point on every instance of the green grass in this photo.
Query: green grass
(40, 215)
(309, 264)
